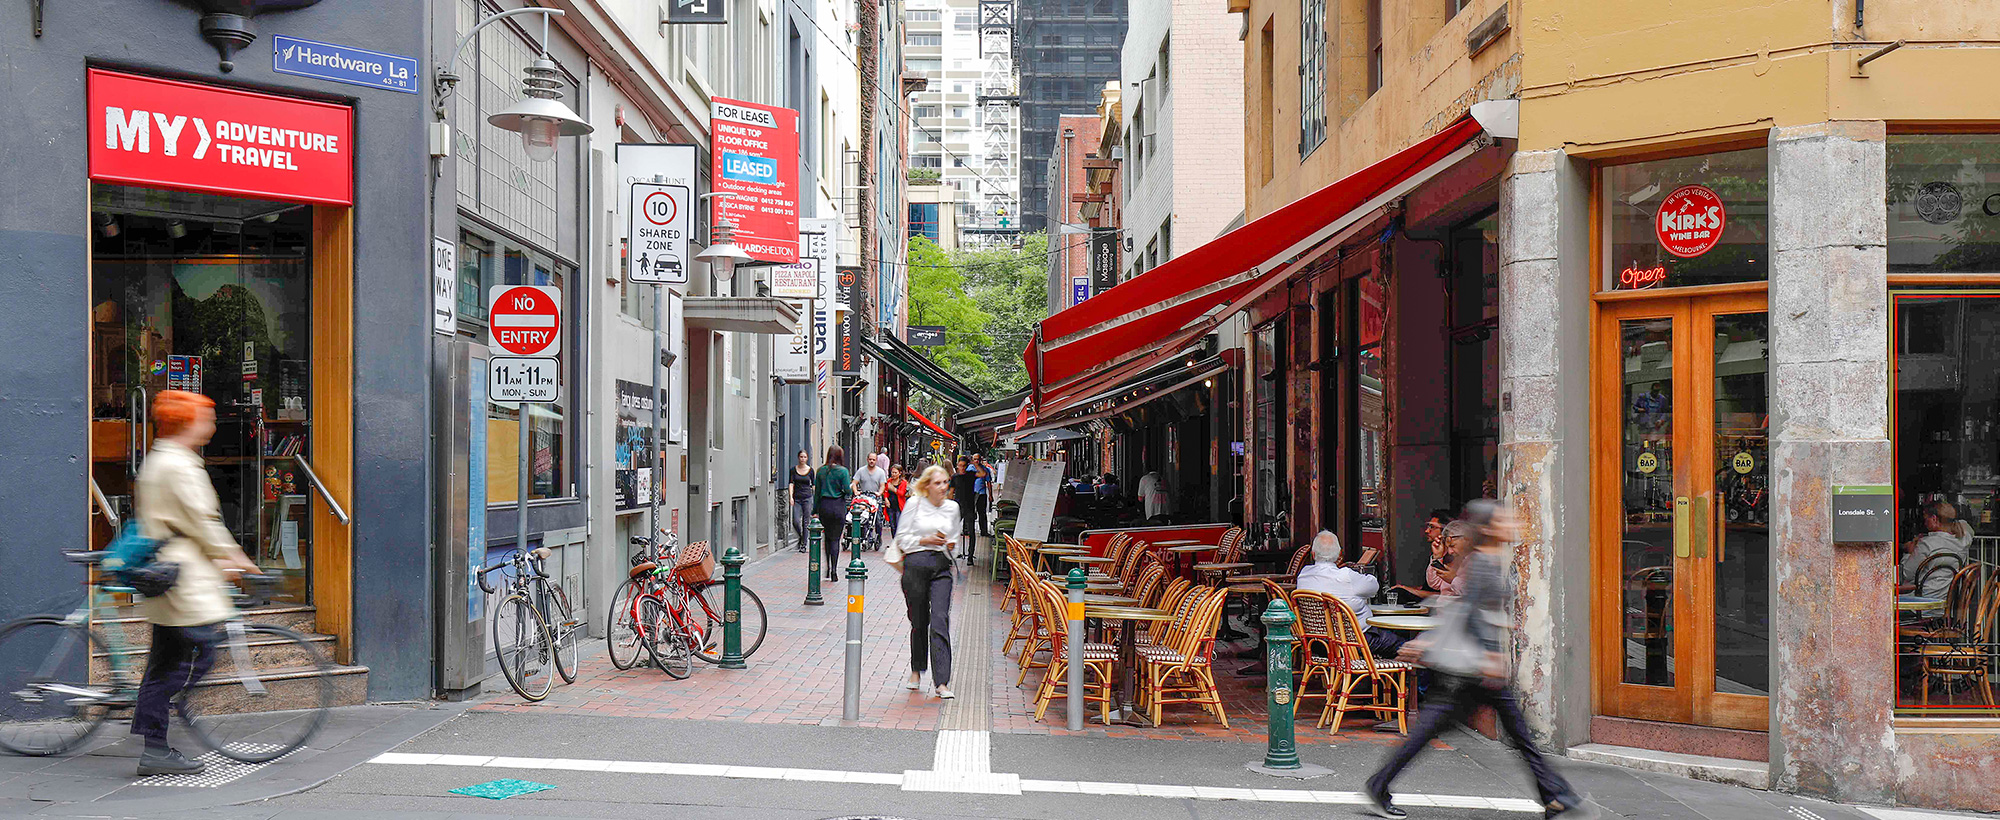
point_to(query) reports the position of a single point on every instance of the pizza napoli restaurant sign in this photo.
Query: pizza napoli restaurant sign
(171, 134)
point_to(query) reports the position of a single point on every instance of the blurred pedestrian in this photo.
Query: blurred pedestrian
(962, 492)
(177, 504)
(1466, 654)
(833, 489)
(801, 480)
(929, 527)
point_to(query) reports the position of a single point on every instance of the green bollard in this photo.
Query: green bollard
(814, 537)
(732, 609)
(1281, 750)
(854, 536)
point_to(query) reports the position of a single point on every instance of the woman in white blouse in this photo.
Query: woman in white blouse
(929, 526)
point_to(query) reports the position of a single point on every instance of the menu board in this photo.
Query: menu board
(1011, 474)
(1043, 480)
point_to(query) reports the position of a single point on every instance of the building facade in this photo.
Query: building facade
(1068, 178)
(1064, 52)
(1183, 172)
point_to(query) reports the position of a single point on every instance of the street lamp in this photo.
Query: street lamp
(540, 117)
(723, 239)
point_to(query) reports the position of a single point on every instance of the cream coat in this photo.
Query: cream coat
(177, 502)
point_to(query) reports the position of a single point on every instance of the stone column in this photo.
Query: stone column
(1832, 667)
(1545, 292)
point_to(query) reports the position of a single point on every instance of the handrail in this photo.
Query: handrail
(103, 504)
(321, 486)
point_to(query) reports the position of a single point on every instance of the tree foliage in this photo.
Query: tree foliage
(988, 301)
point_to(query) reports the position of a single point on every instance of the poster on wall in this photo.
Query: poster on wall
(791, 356)
(1038, 499)
(756, 158)
(636, 470)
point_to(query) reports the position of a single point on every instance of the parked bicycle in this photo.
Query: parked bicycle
(671, 607)
(62, 676)
(534, 629)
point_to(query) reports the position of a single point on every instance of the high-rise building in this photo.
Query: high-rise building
(957, 137)
(1066, 50)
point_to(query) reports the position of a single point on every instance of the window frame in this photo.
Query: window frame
(534, 263)
(1312, 75)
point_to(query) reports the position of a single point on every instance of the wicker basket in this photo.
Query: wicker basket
(695, 564)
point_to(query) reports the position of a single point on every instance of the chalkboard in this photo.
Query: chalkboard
(1038, 499)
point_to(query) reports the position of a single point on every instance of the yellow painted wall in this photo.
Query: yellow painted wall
(1428, 81)
(1601, 77)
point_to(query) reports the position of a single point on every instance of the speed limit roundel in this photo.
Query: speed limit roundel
(660, 208)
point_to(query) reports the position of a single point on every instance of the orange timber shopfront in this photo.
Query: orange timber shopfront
(251, 236)
(1762, 344)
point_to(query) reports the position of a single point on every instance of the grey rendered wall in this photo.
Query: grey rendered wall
(44, 219)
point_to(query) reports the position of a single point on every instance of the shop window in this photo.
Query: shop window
(484, 263)
(1944, 203)
(1700, 220)
(475, 272)
(1945, 403)
(1372, 392)
(1273, 492)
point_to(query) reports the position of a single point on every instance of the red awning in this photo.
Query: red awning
(1128, 321)
(928, 423)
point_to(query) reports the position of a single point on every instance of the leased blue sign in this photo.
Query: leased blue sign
(343, 64)
(746, 168)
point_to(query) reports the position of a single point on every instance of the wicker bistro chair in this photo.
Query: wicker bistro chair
(1097, 659)
(1300, 558)
(1150, 582)
(1967, 654)
(1181, 670)
(1317, 657)
(1035, 637)
(1389, 681)
(1177, 590)
(1962, 599)
(1020, 592)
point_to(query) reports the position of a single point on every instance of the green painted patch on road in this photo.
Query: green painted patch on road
(502, 789)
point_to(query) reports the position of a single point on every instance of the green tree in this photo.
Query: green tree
(988, 301)
(938, 296)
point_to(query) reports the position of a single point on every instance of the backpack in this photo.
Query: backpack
(131, 560)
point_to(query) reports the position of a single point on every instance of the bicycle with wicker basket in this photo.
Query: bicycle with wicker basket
(671, 607)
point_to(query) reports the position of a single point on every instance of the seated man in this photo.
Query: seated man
(1940, 538)
(1328, 575)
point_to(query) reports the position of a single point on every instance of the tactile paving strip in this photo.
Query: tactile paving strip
(221, 771)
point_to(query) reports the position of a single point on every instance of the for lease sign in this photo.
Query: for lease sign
(172, 134)
(755, 157)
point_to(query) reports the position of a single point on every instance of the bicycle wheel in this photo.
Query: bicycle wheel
(55, 685)
(709, 613)
(265, 696)
(565, 631)
(623, 641)
(665, 642)
(522, 645)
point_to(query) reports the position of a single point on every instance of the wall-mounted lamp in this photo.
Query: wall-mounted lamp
(540, 117)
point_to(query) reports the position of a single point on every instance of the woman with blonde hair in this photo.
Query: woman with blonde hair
(928, 526)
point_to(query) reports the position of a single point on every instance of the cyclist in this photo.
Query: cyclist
(176, 503)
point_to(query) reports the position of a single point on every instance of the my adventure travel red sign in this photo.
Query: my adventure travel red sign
(172, 134)
(1690, 221)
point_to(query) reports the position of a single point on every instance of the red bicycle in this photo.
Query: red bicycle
(673, 609)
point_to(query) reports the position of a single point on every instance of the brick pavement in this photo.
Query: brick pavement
(795, 677)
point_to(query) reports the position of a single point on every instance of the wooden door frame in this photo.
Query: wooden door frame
(1692, 699)
(332, 451)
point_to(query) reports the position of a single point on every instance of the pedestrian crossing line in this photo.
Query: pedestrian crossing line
(959, 782)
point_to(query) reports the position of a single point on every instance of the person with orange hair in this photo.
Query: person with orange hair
(177, 504)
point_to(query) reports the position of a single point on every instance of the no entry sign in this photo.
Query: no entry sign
(525, 320)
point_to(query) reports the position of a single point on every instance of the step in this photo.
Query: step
(1752, 774)
(289, 690)
(297, 617)
(270, 652)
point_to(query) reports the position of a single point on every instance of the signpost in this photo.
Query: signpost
(660, 222)
(444, 286)
(847, 343)
(1863, 513)
(706, 12)
(343, 64)
(660, 185)
(1103, 260)
(925, 335)
(525, 323)
(1079, 290)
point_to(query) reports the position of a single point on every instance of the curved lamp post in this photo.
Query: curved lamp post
(540, 117)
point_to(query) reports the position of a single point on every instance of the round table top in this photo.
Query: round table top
(1912, 603)
(1126, 613)
(1399, 610)
(1194, 548)
(1084, 559)
(1405, 623)
(1063, 551)
(1178, 542)
(1224, 565)
(1062, 546)
(1110, 600)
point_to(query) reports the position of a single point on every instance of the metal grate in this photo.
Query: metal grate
(221, 771)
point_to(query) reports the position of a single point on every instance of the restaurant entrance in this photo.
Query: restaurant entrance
(1682, 546)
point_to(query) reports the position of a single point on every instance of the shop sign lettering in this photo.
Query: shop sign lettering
(1690, 221)
(172, 134)
(1636, 278)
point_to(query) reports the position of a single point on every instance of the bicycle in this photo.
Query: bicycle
(534, 628)
(85, 674)
(694, 610)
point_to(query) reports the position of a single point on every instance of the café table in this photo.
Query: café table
(1177, 542)
(1109, 600)
(1917, 603)
(1386, 609)
(1404, 623)
(1186, 552)
(1128, 655)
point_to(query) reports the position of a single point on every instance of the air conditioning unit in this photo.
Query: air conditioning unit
(1118, 152)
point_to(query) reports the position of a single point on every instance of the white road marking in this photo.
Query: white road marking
(961, 781)
(1907, 814)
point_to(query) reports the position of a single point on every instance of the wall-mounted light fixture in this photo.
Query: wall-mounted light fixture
(540, 117)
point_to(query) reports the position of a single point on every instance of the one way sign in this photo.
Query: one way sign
(525, 320)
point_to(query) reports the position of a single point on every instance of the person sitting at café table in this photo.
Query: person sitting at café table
(1447, 547)
(1940, 537)
(1328, 574)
